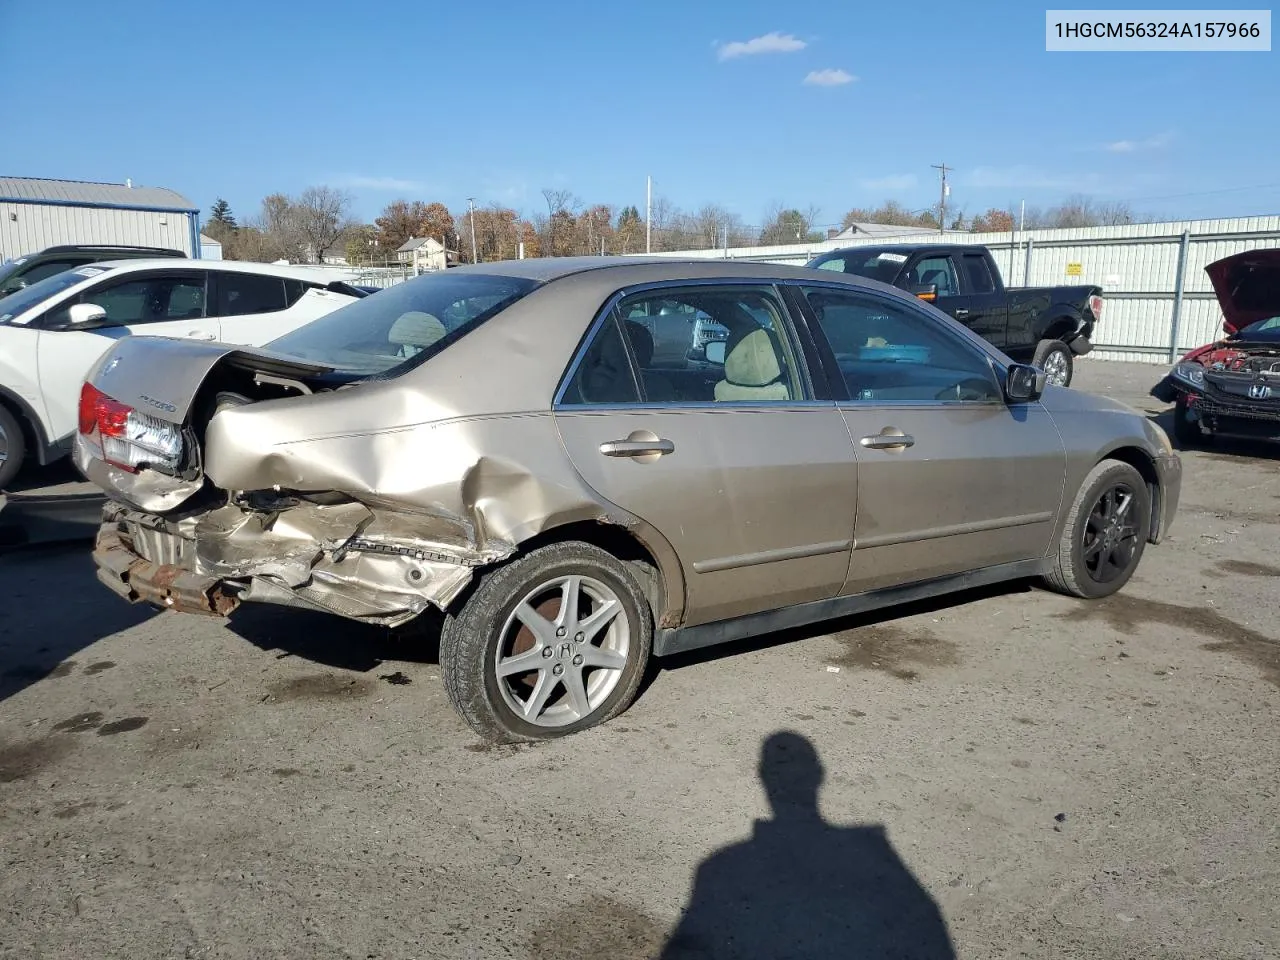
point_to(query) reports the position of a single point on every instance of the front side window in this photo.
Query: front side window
(16, 304)
(889, 352)
(244, 293)
(694, 345)
(938, 271)
(148, 300)
(403, 325)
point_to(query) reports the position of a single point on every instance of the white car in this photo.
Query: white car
(52, 332)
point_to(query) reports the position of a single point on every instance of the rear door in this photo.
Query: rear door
(168, 303)
(256, 308)
(987, 314)
(751, 480)
(950, 477)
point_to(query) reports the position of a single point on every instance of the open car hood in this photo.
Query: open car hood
(1247, 286)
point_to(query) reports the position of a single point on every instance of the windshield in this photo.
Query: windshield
(882, 265)
(16, 304)
(1270, 328)
(403, 325)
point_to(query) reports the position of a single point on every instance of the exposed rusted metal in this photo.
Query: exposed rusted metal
(162, 585)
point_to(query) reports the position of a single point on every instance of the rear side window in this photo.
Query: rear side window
(294, 289)
(977, 274)
(242, 293)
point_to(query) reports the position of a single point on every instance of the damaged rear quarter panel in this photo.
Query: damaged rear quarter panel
(458, 459)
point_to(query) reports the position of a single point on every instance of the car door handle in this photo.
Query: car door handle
(637, 448)
(890, 438)
(961, 312)
(198, 335)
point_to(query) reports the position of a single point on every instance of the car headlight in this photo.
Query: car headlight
(1191, 373)
(1161, 437)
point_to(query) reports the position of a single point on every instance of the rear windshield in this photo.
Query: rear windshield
(23, 300)
(882, 265)
(402, 325)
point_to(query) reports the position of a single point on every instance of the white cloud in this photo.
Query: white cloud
(769, 43)
(894, 182)
(829, 78)
(392, 184)
(1132, 146)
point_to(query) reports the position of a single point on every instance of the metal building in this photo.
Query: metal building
(35, 214)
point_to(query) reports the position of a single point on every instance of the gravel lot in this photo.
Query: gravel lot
(1007, 774)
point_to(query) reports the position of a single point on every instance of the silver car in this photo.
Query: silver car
(508, 445)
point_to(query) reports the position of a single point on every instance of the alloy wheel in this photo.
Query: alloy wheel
(1111, 534)
(1055, 368)
(562, 651)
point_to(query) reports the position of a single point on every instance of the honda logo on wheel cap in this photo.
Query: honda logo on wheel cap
(1259, 391)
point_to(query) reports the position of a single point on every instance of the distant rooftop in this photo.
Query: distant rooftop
(85, 193)
(856, 230)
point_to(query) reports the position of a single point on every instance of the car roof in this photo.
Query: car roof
(299, 272)
(644, 269)
(907, 248)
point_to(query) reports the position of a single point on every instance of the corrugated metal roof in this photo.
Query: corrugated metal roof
(31, 189)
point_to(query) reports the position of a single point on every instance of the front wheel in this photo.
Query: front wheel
(1105, 534)
(13, 447)
(549, 644)
(1055, 359)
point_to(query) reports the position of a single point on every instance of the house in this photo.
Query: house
(867, 231)
(426, 253)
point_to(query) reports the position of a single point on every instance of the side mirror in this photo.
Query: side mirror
(926, 291)
(1024, 383)
(715, 352)
(85, 316)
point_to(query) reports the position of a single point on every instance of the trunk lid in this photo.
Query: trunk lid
(1247, 286)
(162, 375)
(140, 436)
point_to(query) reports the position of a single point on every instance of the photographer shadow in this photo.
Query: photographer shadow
(801, 887)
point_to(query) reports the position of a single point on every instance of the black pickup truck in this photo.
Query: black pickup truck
(1044, 326)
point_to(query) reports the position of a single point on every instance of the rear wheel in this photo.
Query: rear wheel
(13, 447)
(1055, 359)
(1105, 534)
(547, 645)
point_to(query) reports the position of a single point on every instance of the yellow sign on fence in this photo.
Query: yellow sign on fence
(1074, 270)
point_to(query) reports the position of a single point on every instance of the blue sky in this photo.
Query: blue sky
(501, 99)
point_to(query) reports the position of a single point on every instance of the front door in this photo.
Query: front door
(753, 483)
(163, 304)
(950, 476)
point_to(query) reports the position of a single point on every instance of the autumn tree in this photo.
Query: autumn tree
(993, 221)
(358, 243)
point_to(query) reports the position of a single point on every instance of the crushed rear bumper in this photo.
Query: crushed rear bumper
(163, 585)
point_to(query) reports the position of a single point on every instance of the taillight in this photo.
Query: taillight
(1095, 306)
(125, 437)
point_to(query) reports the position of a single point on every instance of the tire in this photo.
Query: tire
(485, 631)
(1186, 431)
(13, 447)
(1055, 358)
(1075, 572)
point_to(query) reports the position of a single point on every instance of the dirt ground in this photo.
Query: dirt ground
(1007, 774)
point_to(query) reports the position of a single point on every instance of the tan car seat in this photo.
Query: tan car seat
(752, 370)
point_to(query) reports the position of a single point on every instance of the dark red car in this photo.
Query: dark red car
(1231, 387)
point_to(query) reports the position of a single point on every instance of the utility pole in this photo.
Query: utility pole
(471, 204)
(946, 189)
(648, 214)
